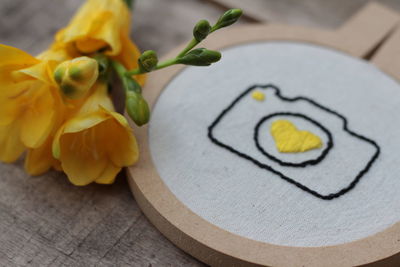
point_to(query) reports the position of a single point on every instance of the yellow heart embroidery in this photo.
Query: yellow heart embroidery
(289, 139)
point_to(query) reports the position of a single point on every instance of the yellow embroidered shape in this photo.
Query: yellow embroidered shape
(258, 95)
(289, 139)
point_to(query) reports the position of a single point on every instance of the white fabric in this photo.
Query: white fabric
(239, 197)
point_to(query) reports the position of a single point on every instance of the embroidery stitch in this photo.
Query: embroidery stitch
(258, 95)
(289, 139)
(281, 175)
(303, 164)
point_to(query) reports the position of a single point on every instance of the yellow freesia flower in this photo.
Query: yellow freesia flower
(28, 102)
(96, 143)
(40, 159)
(102, 25)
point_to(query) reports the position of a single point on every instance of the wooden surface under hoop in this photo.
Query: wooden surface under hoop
(361, 36)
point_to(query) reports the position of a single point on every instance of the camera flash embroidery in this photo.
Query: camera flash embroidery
(258, 95)
(288, 139)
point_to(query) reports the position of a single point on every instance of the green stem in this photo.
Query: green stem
(119, 68)
(129, 83)
(189, 47)
(213, 29)
(133, 72)
(168, 62)
(160, 65)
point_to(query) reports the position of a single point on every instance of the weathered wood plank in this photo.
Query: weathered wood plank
(45, 221)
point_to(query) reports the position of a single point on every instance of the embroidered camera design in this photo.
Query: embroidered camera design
(326, 173)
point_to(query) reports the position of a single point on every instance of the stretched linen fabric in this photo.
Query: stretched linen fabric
(237, 195)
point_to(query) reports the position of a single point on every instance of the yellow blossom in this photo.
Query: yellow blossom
(28, 102)
(40, 159)
(102, 25)
(96, 143)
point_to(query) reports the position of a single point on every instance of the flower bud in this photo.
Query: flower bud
(200, 57)
(75, 77)
(147, 61)
(228, 18)
(137, 108)
(103, 63)
(201, 30)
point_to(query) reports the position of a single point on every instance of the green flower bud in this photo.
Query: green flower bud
(103, 63)
(137, 108)
(148, 61)
(75, 77)
(201, 30)
(228, 18)
(200, 57)
(130, 84)
(104, 67)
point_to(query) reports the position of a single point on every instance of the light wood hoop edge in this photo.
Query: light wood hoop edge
(214, 245)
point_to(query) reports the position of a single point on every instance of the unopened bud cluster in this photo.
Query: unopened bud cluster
(75, 77)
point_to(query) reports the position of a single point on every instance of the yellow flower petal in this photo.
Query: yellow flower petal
(118, 117)
(89, 45)
(40, 160)
(37, 120)
(11, 55)
(84, 122)
(10, 107)
(11, 146)
(96, 25)
(27, 98)
(99, 98)
(109, 174)
(38, 71)
(80, 160)
(122, 153)
(58, 52)
(30, 109)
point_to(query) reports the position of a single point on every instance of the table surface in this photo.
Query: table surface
(46, 221)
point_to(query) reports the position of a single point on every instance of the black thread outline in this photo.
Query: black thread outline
(281, 175)
(302, 164)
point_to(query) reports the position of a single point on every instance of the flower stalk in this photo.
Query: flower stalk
(136, 106)
(200, 31)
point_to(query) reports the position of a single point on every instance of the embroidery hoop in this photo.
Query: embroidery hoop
(215, 246)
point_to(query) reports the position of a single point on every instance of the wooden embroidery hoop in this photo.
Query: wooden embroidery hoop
(369, 34)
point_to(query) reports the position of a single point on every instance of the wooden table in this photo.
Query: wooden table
(46, 221)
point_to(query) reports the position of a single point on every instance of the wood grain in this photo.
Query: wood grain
(45, 221)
